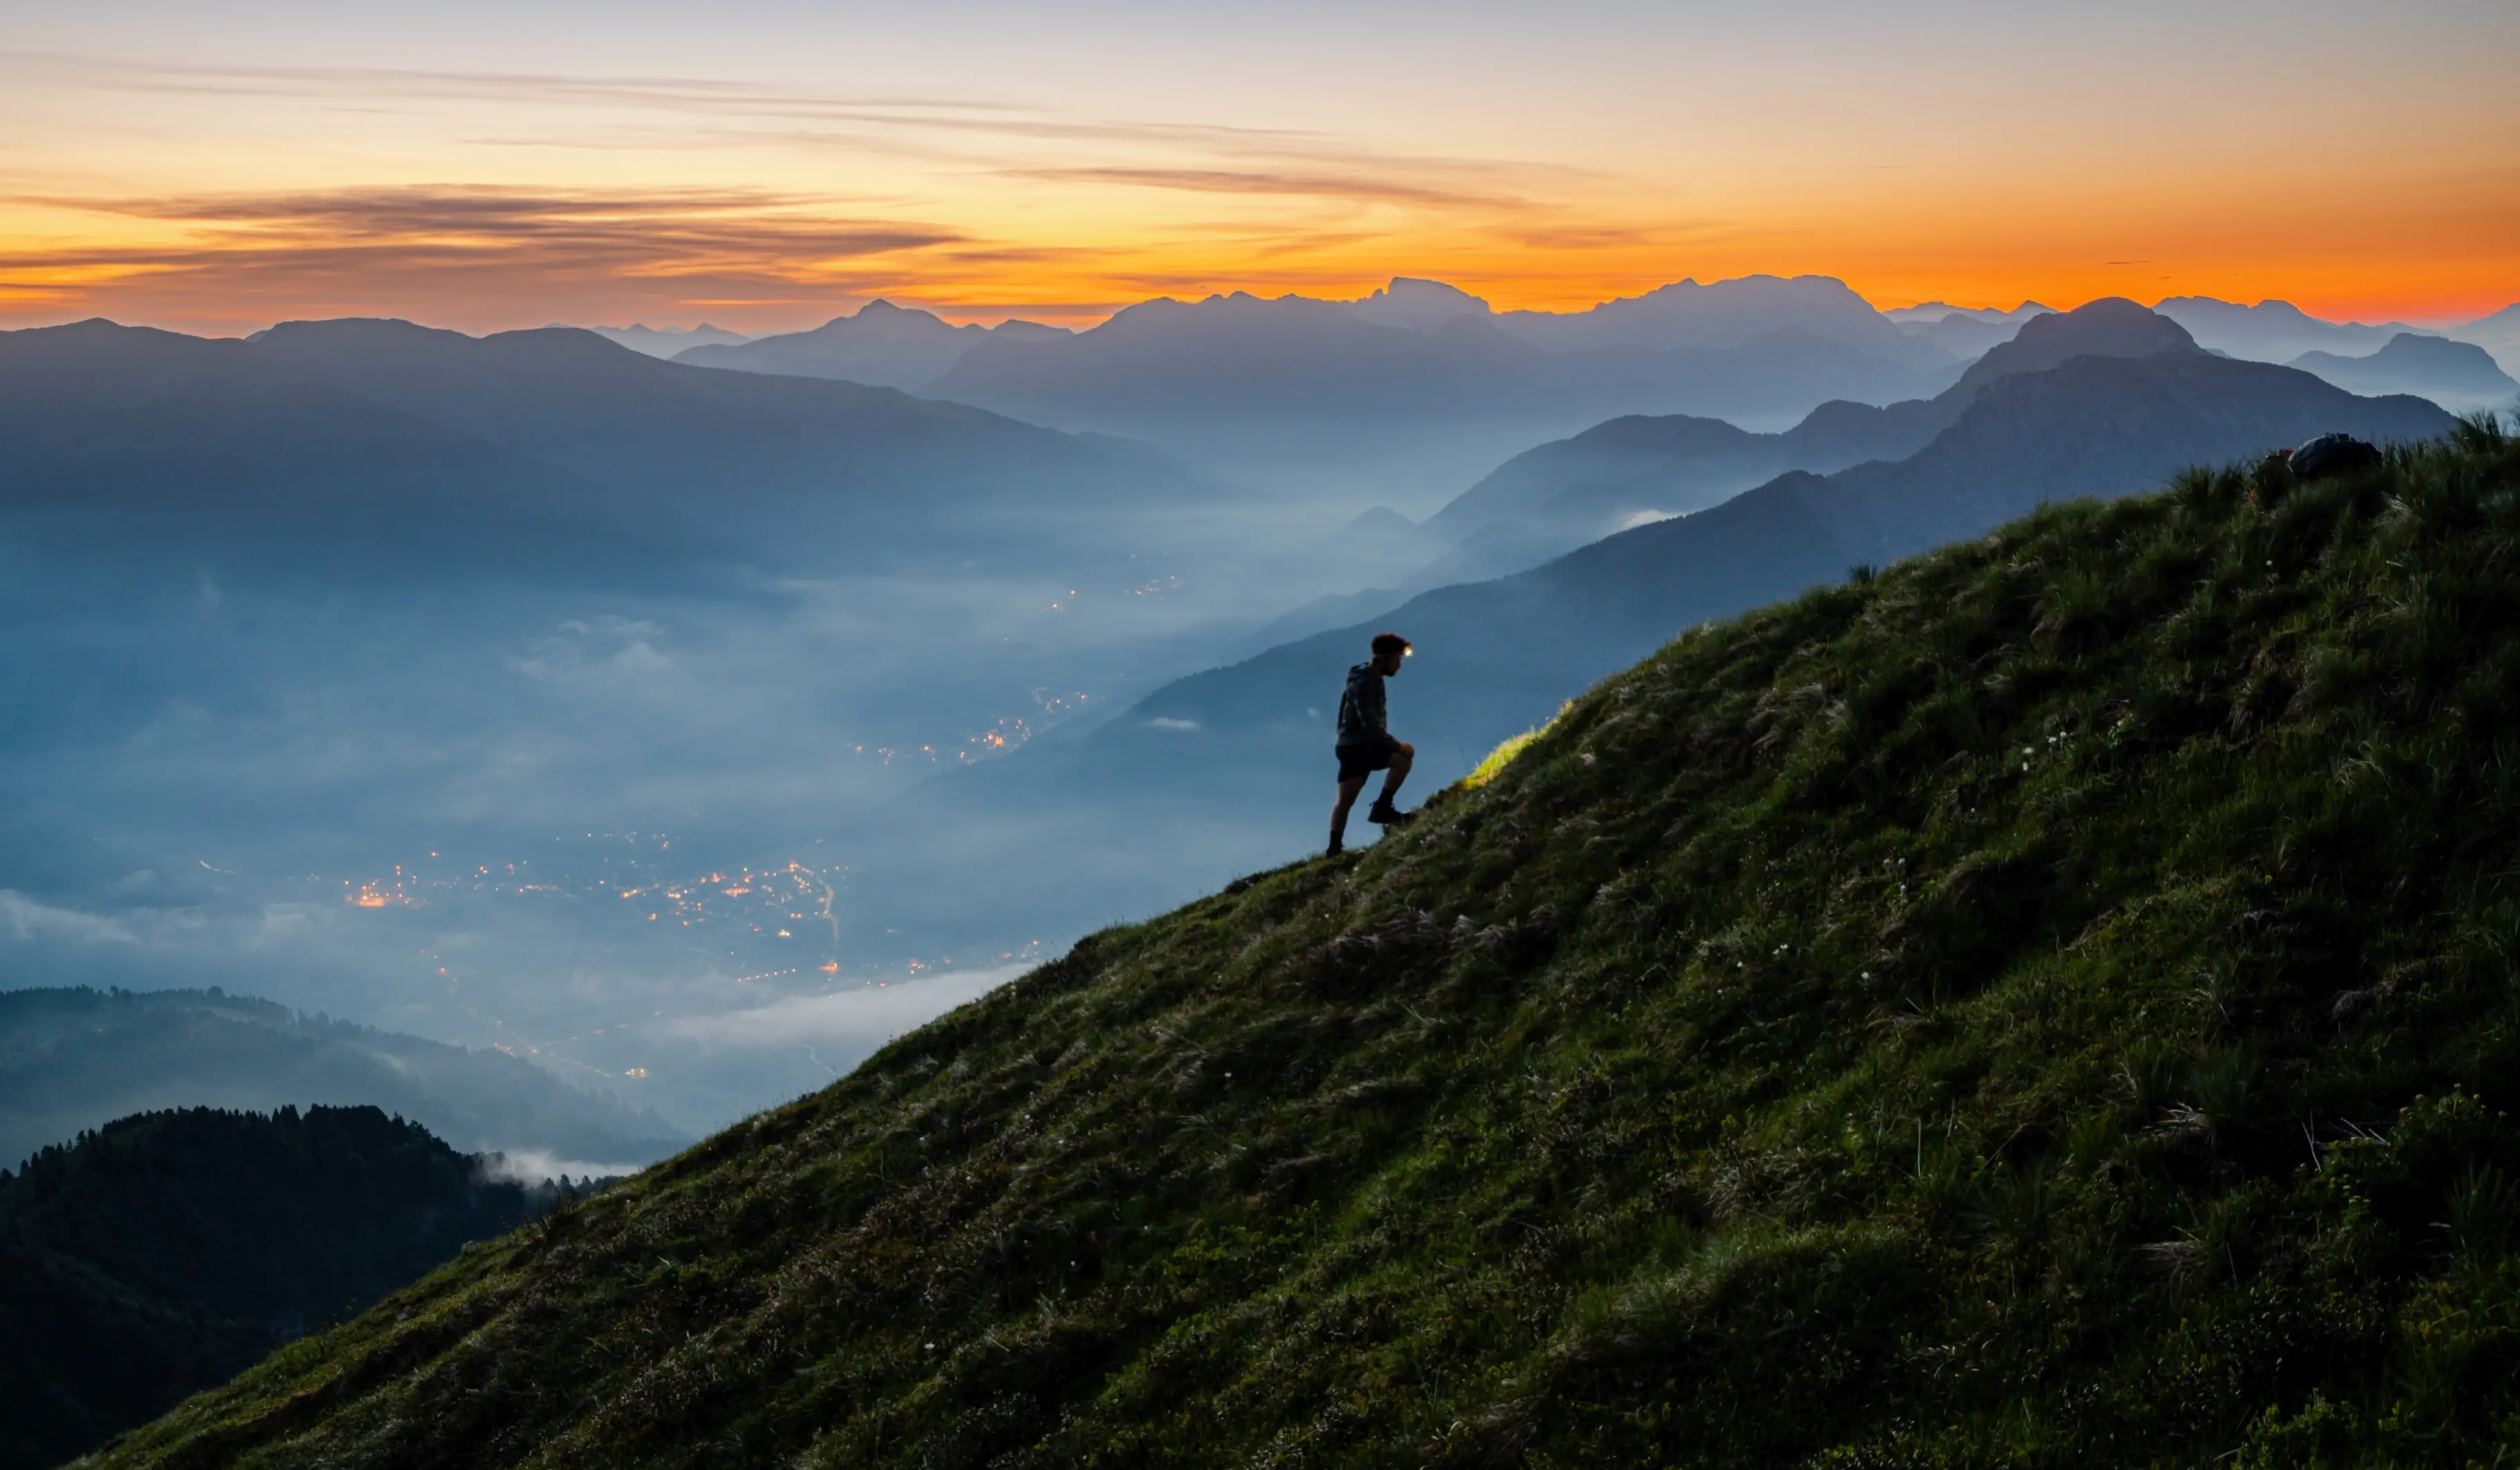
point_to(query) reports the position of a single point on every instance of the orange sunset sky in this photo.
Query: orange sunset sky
(217, 167)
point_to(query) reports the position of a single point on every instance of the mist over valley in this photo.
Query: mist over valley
(687, 730)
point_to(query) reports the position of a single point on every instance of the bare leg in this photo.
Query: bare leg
(1401, 760)
(1348, 792)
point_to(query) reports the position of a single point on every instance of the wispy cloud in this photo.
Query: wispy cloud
(407, 250)
(24, 919)
(869, 1015)
(459, 252)
(591, 227)
(715, 98)
(1257, 181)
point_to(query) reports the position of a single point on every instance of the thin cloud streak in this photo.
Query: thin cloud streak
(354, 244)
(498, 255)
(1241, 181)
(738, 101)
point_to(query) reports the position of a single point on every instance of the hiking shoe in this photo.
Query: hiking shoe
(1336, 847)
(1384, 814)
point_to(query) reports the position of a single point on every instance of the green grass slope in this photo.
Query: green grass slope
(2052, 1003)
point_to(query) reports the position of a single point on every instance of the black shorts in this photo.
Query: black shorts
(1358, 761)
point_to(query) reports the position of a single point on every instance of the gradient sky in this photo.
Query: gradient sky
(219, 166)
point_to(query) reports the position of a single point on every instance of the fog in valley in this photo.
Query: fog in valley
(690, 731)
(612, 828)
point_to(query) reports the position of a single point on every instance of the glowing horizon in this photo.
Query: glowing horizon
(773, 166)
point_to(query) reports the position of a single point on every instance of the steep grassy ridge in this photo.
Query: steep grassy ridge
(2049, 1003)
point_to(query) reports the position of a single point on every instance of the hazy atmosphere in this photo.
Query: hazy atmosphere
(992, 735)
(643, 718)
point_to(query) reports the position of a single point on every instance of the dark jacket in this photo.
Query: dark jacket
(1360, 717)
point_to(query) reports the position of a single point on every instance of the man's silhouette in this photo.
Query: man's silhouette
(1364, 743)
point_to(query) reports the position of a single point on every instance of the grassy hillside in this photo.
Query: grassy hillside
(2051, 1002)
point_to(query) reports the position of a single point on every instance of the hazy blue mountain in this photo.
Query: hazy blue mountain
(435, 442)
(1419, 305)
(161, 1253)
(1419, 389)
(1688, 316)
(1285, 391)
(1934, 313)
(867, 458)
(72, 1059)
(1552, 499)
(2499, 334)
(2271, 331)
(881, 345)
(1239, 755)
(164, 440)
(1965, 333)
(2460, 376)
(659, 342)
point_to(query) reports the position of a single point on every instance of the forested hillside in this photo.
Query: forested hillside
(2050, 1002)
(72, 1059)
(164, 1252)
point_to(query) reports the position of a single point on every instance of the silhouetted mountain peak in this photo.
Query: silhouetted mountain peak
(879, 345)
(2270, 309)
(2423, 347)
(882, 315)
(422, 369)
(1417, 304)
(2110, 326)
(1690, 315)
(2461, 376)
(1210, 321)
(381, 330)
(2272, 331)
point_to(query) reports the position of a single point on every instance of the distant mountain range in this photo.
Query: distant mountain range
(535, 446)
(2457, 375)
(882, 346)
(161, 1254)
(2105, 400)
(1965, 331)
(2281, 332)
(1628, 472)
(72, 1059)
(665, 343)
(1421, 386)
(2271, 331)
(2499, 334)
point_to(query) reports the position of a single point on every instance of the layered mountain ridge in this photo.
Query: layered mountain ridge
(542, 449)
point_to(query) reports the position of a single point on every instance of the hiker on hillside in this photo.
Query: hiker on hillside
(1364, 743)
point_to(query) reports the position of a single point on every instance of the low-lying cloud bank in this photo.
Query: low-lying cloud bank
(867, 1017)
